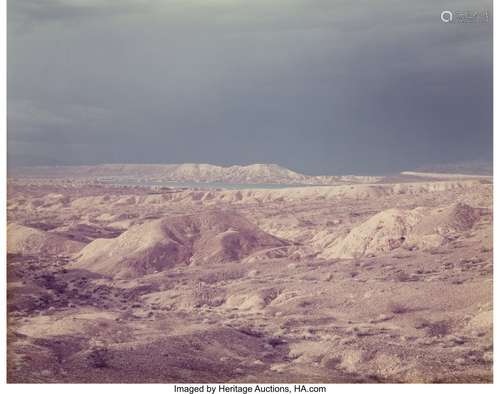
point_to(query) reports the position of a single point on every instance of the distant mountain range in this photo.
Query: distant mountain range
(203, 173)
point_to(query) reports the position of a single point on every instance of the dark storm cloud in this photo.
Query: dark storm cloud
(33, 12)
(319, 86)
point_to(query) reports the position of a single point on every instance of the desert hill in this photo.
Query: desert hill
(280, 299)
(28, 240)
(207, 238)
(416, 228)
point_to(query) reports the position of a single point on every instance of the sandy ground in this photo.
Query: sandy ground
(353, 283)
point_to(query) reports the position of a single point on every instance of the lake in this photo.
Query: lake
(197, 185)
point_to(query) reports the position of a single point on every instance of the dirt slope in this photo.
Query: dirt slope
(420, 228)
(27, 240)
(208, 238)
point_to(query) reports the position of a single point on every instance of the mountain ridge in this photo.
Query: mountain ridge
(257, 173)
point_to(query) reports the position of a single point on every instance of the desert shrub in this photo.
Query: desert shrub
(207, 295)
(221, 276)
(434, 329)
(268, 295)
(328, 277)
(438, 329)
(275, 341)
(331, 362)
(472, 261)
(99, 357)
(404, 277)
(397, 308)
(402, 256)
(437, 251)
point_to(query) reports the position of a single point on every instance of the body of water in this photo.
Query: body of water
(198, 185)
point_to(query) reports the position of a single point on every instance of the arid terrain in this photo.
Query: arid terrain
(372, 281)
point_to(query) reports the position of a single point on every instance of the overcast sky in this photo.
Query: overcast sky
(319, 86)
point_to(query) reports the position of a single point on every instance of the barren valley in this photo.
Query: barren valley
(362, 281)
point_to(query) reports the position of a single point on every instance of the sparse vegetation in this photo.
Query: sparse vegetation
(99, 357)
(434, 328)
(403, 277)
(397, 308)
(207, 295)
(262, 315)
(221, 276)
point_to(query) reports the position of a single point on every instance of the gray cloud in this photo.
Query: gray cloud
(320, 86)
